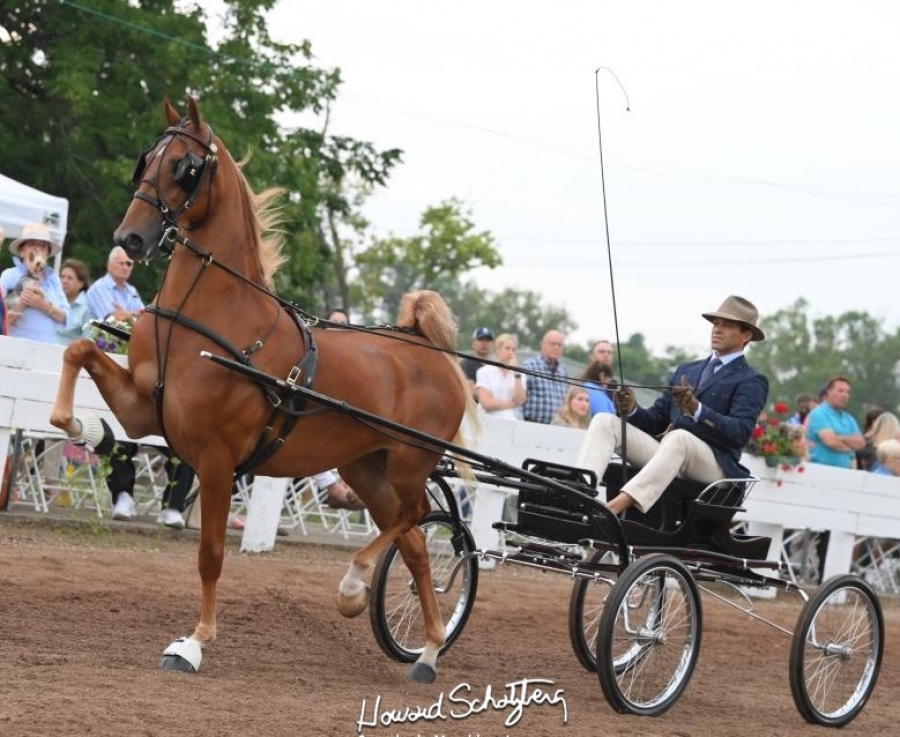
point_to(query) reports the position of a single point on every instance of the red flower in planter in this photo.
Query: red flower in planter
(780, 444)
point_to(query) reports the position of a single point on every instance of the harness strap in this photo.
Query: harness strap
(305, 368)
(198, 327)
(239, 355)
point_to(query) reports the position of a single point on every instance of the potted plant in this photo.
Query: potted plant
(779, 444)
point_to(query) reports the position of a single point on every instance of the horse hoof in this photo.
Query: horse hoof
(422, 673)
(182, 655)
(353, 606)
(176, 662)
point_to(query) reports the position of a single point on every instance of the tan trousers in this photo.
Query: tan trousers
(679, 453)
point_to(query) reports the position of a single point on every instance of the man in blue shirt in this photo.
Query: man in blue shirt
(834, 437)
(112, 296)
(833, 432)
(547, 387)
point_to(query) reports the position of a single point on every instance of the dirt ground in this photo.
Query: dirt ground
(87, 611)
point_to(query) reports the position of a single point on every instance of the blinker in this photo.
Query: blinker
(140, 166)
(188, 171)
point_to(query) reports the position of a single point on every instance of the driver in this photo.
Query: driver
(698, 428)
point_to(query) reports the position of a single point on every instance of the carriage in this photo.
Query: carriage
(635, 613)
(280, 397)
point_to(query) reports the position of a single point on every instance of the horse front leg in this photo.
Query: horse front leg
(116, 386)
(215, 480)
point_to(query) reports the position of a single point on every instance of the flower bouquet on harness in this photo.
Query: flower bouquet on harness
(110, 335)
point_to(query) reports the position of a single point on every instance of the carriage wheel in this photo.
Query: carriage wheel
(649, 636)
(394, 607)
(836, 651)
(585, 607)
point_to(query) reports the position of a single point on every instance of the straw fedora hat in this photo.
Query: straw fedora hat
(740, 310)
(35, 232)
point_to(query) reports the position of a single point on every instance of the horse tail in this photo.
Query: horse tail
(427, 312)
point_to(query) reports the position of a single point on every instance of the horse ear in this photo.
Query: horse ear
(194, 112)
(171, 114)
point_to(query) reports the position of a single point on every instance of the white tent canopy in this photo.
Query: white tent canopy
(21, 204)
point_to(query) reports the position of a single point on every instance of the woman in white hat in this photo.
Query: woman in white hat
(35, 299)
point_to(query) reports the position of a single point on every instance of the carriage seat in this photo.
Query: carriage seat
(671, 509)
(691, 514)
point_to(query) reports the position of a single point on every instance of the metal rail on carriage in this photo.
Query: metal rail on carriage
(635, 615)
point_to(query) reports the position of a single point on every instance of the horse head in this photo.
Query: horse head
(174, 183)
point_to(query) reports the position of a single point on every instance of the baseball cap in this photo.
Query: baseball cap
(483, 334)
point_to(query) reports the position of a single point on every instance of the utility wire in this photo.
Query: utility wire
(557, 148)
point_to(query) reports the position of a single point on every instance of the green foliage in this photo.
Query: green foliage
(447, 247)
(801, 353)
(520, 312)
(84, 83)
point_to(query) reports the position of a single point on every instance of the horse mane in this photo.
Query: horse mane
(266, 213)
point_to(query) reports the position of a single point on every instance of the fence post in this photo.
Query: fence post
(263, 514)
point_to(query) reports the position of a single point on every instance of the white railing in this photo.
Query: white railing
(29, 376)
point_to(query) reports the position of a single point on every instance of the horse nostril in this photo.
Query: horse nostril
(131, 242)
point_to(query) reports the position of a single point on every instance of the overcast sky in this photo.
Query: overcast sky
(761, 154)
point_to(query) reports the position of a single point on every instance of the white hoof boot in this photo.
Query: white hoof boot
(184, 655)
(91, 430)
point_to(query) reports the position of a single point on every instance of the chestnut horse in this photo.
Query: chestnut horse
(216, 296)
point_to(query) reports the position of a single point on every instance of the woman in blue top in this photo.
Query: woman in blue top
(888, 454)
(75, 279)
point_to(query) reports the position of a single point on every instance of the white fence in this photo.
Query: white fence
(29, 376)
(852, 505)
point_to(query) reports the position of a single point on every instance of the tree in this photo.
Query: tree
(516, 311)
(447, 247)
(801, 353)
(86, 83)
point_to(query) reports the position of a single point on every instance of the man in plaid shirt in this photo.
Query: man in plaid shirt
(547, 392)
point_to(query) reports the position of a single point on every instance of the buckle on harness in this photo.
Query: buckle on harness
(293, 375)
(252, 349)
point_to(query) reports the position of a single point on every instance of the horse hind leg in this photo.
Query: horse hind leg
(414, 549)
(397, 514)
(368, 478)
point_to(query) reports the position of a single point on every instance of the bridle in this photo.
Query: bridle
(188, 174)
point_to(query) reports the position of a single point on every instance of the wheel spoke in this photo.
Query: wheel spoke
(837, 650)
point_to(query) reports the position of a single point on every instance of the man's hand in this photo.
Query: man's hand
(624, 400)
(683, 396)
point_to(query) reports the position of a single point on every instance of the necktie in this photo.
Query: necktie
(708, 371)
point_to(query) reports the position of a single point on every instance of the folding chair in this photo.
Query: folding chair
(877, 560)
(150, 479)
(305, 503)
(61, 473)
